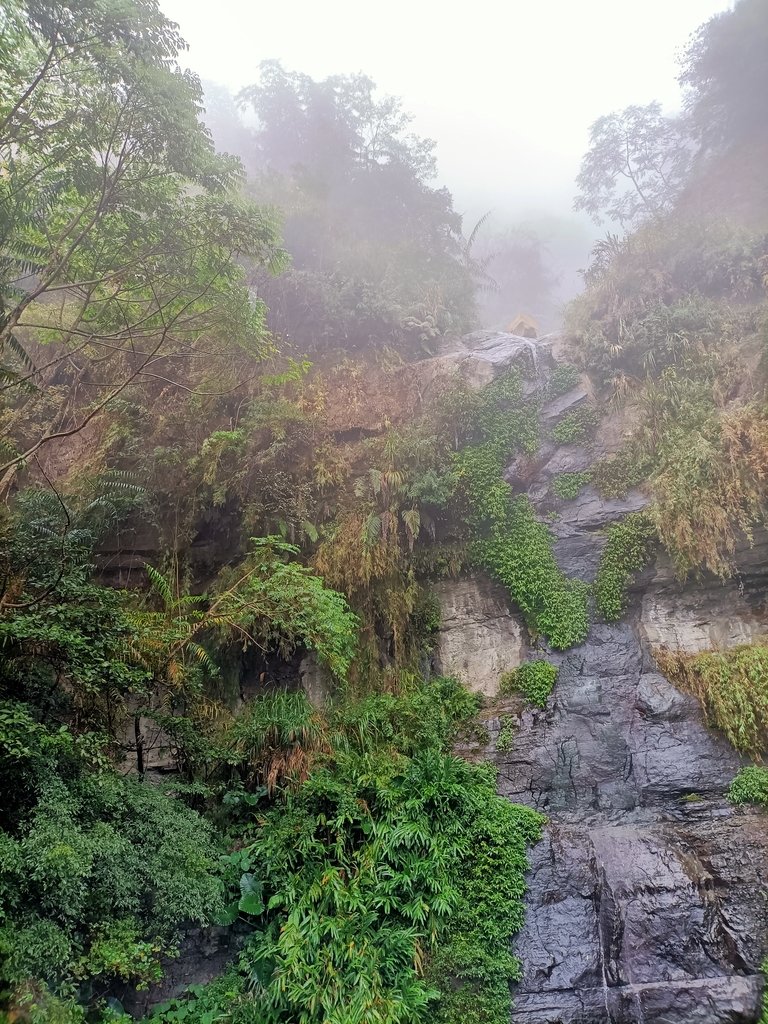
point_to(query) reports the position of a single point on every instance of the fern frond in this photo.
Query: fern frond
(372, 529)
(160, 585)
(203, 657)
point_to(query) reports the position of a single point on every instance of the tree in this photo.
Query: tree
(377, 251)
(120, 232)
(726, 72)
(635, 167)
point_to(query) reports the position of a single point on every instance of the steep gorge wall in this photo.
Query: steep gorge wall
(647, 899)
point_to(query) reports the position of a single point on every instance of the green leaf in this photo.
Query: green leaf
(251, 901)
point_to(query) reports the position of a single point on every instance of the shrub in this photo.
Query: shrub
(750, 786)
(534, 679)
(97, 872)
(389, 884)
(562, 379)
(576, 427)
(614, 475)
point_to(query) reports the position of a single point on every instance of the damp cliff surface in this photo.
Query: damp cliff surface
(647, 899)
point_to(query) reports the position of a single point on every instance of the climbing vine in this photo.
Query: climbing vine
(576, 427)
(570, 485)
(512, 544)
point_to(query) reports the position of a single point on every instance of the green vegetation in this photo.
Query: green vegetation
(732, 687)
(518, 553)
(189, 512)
(750, 786)
(507, 729)
(570, 485)
(576, 427)
(514, 546)
(534, 679)
(627, 550)
(563, 378)
(367, 875)
(98, 873)
(764, 1014)
(379, 264)
(613, 475)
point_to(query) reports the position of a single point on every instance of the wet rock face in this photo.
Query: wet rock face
(646, 898)
(647, 901)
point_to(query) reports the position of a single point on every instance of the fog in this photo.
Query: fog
(507, 90)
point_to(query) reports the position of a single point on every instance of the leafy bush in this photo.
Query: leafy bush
(372, 871)
(473, 963)
(627, 550)
(534, 679)
(286, 605)
(750, 786)
(570, 485)
(708, 483)
(563, 378)
(97, 872)
(576, 427)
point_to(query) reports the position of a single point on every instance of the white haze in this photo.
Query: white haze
(507, 89)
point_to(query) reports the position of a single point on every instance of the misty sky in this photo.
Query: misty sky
(508, 88)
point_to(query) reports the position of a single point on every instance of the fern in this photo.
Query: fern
(160, 585)
(372, 529)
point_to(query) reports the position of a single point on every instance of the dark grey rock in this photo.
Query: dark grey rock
(644, 905)
(564, 403)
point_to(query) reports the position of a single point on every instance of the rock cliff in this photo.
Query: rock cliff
(647, 897)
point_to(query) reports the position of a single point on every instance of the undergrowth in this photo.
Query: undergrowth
(732, 687)
(387, 886)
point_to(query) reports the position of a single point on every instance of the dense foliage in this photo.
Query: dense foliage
(514, 546)
(195, 515)
(372, 896)
(750, 786)
(672, 323)
(534, 679)
(570, 485)
(120, 226)
(377, 253)
(98, 873)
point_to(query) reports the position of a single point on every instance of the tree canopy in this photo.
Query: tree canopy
(377, 250)
(120, 230)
